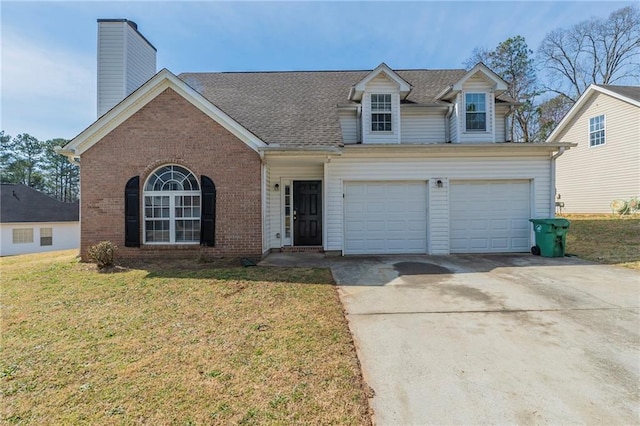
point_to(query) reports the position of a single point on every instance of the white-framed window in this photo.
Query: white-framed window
(476, 111)
(46, 236)
(381, 113)
(172, 206)
(22, 235)
(596, 131)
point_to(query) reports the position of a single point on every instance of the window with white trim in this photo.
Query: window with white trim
(172, 206)
(22, 235)
(476, 111)
(46, 236)
(596, 131)
(381, 113)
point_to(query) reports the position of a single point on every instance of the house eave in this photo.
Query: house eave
(488, 149)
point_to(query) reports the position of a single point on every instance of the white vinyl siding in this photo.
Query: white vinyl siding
(385, 217)
(490, 216)
(111, 85)
(141, 61)
(533, 168)
(588, 178)
(125, 62)
(500, 121)
(421, 125)
(266, 207)
(349, 126)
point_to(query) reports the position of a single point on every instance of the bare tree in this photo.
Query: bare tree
(600, 51)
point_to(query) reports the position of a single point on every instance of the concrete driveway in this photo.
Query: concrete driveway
(492, 339)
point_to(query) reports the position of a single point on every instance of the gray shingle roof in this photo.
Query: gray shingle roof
(299, 108)
(631, 92)
(19, 203)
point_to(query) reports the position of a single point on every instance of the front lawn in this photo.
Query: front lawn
(605, 239)
(174, 345)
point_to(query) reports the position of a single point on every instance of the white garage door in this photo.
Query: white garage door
(489, 216)
(385, 217)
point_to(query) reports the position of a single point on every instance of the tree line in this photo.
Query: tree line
(595, 51)
(25, 159)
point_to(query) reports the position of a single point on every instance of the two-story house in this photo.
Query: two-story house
(351, 162)
(605, 165)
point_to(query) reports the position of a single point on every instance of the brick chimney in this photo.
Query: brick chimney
(126, 60)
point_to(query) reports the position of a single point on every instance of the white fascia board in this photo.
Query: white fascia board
(500, 84)
(454, 149)
(357, 90)
(581, 101)
(145, 94)
(302, 150)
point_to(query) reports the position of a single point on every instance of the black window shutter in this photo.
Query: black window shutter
(208, 217)
(132, 212)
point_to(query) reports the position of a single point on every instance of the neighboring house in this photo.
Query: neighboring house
(34, 222)
(605, 166)
(351, 162)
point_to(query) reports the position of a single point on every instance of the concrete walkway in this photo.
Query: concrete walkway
(492, 339)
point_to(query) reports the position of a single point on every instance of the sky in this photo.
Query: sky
(48, 48)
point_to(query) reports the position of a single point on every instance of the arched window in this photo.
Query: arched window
(172, 206)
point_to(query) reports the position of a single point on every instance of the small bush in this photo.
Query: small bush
(102, 254)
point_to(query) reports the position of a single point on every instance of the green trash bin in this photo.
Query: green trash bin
(551, 237)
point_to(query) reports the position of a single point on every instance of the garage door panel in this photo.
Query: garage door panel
(393, 217)
(489, 216)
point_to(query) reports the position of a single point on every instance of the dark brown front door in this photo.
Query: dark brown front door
(307, 213)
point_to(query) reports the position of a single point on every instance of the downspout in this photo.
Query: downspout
(507, 125)
(552, 205)
(359, 124)
(447, 125)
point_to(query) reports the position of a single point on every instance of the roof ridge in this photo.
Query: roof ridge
(315, 71)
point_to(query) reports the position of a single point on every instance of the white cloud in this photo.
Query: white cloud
(47, 90)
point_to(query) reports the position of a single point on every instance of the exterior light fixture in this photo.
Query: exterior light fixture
(439, 183)
(276, 187)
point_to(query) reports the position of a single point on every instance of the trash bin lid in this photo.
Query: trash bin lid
(557, 222)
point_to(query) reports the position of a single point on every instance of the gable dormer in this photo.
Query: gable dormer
(474, 118)
(380, 93)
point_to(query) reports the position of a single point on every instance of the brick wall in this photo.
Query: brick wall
(169, 129)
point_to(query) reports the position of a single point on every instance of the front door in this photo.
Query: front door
(307, 213)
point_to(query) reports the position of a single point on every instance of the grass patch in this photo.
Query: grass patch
(174, 345)
(605, 239)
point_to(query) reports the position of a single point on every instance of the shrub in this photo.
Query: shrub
(102, 254)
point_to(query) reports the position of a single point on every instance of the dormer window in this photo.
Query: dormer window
(476, 111)
(381, 113)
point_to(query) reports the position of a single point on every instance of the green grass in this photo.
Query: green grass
(179, 344)
(605, 239)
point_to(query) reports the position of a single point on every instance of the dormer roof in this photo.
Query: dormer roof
(499, 85)
(357, 90)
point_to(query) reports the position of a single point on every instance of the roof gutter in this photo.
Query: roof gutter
(297, 150)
